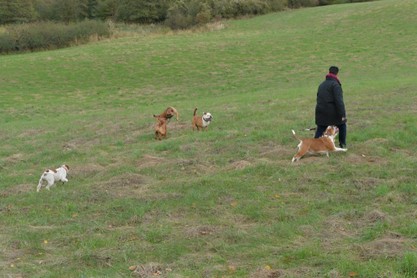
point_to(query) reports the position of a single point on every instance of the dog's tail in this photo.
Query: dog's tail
(295, 136)
(38, 188)
(195, 111)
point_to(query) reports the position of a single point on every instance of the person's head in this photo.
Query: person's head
(334, 70)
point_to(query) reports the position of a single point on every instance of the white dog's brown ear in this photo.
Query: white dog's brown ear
(67, 166)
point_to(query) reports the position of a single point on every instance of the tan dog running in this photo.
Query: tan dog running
(169, 113)
(324, 144)
(201, 122)
(162, 120)
(160, 127)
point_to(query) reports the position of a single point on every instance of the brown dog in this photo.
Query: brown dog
(324, 144)
(201, 122)
(169, 113)
(160, 127)
(162, 119)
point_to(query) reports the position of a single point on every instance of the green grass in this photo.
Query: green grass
(226, 202)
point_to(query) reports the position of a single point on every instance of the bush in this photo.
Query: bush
(7, 43)
(278, 5)
(48, 35)
(250, 7)
(178, 16)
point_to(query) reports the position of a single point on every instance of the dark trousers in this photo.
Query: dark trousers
(342, 133)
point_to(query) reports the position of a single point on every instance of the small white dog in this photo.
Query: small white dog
(52, 176)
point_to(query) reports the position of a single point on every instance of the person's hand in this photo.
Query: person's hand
(344, 119)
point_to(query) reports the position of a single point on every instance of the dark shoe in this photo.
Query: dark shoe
(343, 146)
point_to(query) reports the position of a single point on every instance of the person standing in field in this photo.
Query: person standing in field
(330, 107)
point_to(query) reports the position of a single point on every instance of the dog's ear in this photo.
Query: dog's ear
(174, 111)
(66, 166)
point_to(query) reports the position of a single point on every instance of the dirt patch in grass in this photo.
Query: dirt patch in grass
(267, 272)
(336, 230)
(375, 216)
(390, 246)
(150, 161)
(126, 185)
(197, 231)
(149, 270)
(365, 183)
(239, 165)
(18, 189)
(195, 166)
(31, 133)
(274, 152)
(86, 170)
(14, 158)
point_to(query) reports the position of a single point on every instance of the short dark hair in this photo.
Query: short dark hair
(334, 70)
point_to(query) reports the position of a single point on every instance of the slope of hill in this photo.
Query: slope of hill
(226, 202)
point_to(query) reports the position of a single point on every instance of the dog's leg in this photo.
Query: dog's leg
(39, 185)
(50, 181)
(301, 152)
(295, 158)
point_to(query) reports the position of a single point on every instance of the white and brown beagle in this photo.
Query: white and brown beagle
(323, 144)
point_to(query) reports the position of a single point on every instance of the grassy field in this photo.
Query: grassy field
(227, 202)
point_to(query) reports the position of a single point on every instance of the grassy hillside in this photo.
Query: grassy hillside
(226, 202)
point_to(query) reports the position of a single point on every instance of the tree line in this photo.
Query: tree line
(31, 25)
(177, 13)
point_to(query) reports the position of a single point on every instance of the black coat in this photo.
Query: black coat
(330, 108)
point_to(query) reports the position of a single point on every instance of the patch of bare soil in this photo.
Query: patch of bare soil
(14, 158)
(19, 189)
(31, 133)
(198, 231)
(196, 166)
(375, 216)
(336, 230)
(366, 183)
(86, 170)
(239, 165)
(274, 152)
(266, 272)
(361, 157)
(394, 197)
(126, 185)
(149, 270)
(150, 161)
(390, 246)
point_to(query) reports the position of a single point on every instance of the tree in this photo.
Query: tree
(92, 9)
(16, 11)
(142, 11)
(107, 9)
(71, 10)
